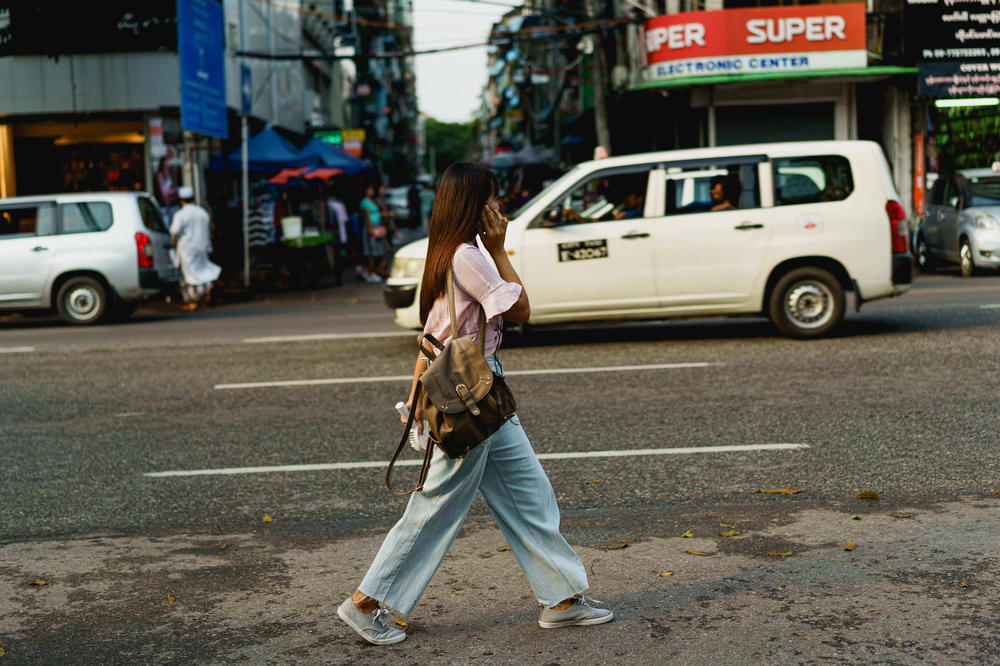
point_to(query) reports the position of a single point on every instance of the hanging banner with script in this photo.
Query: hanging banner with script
(757, 40)
(952, 30)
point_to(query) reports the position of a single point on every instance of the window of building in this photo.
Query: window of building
(716, 187)
(805, 180)
(27, 220)
(85, 216)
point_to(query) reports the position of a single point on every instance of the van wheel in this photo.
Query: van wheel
(82, 300)
(806, 303)
(925, 262)
(966, 266)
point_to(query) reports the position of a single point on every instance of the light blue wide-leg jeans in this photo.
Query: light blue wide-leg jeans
(505, 470)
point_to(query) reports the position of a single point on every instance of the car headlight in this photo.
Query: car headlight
(987, 222)
(406, 268)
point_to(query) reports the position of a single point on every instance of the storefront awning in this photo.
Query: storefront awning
(716, 79)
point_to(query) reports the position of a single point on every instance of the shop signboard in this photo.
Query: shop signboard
(202, 67)
(952, 30)
(354, 141)
(957, 80)
(759, 40)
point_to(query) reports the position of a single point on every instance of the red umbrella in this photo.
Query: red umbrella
(323, 174)
(286, 175)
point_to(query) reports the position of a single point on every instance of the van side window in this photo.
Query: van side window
(806, 180)
(151, 217)
(715, 187)
(604, 196)
(85, 216)
(27, 220)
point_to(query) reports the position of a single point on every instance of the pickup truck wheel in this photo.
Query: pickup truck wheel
(806, 303)
(922, 256)
(82, 300)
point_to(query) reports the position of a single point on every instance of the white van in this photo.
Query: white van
(782, 229)
(89, 255)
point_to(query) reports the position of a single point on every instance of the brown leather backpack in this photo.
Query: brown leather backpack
(463, 400)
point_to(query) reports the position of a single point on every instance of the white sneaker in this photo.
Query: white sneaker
(581, 613)
(371, 626)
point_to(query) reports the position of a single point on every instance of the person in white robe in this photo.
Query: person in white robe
(191, 234)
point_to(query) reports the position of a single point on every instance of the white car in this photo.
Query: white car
(782, 229)
(90, 255)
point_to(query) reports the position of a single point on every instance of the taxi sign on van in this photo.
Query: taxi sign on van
(582, 250)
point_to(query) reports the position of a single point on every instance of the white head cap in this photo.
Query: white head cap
(185, 192)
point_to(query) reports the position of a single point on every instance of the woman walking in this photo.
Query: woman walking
(375, 236)
(503, 467)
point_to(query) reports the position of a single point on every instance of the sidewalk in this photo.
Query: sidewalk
(920, 589)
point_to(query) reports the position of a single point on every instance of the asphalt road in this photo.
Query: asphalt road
(901, 401)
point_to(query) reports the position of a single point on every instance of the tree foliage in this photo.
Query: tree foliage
(452, 142)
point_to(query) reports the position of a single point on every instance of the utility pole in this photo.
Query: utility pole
(599, 67)
(245, 151)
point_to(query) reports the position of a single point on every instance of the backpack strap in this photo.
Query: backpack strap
(425, 467)
(481, 331)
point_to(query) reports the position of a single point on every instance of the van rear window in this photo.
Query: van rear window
(814, 179)
(151, 217)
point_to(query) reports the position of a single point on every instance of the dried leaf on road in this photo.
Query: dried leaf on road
(616, 546)
(170, 599)
(687, 535)
(850, 545)
(266, 519)
(774, 553)
(590, 483)
(900, 515)
(868, 495)
(666, 573)
(223, 546)
(697, 552)
(963, 584)
(503, 549)
(625, 540)
(855, 517)
(730, 533)
(38, 582)
(778, 491)
(996, 492)
(2, 652)
(404, 625)
(725, 525)
(218, 526)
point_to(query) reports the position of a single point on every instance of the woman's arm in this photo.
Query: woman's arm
(493, 234)
(418, 369)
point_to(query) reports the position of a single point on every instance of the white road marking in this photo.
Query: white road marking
(125, 415)
(399, 378)
(16, 350)
(569, 455)
(333, 336)
(991, 306)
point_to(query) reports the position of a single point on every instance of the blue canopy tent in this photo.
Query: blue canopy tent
(333, 157)
(269, 151)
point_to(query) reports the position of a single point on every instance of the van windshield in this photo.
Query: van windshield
(985, 191)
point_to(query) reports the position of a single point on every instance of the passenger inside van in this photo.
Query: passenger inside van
(725, 192)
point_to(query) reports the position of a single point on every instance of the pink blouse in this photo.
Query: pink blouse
(477, 282)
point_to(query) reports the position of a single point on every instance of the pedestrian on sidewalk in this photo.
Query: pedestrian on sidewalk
(375, 237)
(191, 234)
(503, 467)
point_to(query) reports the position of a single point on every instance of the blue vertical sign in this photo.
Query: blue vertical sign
(246, 89)
(201, 49)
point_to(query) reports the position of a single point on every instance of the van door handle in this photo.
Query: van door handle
(39, 248)
(635, 234)
(748, 225)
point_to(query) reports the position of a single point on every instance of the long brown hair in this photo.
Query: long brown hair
(462, 194)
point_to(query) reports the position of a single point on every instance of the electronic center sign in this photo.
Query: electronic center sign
(756, 40)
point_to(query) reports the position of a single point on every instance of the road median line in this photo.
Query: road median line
(568, 455)
(513, 373)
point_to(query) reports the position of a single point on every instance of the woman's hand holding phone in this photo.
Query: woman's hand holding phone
(493, 228)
